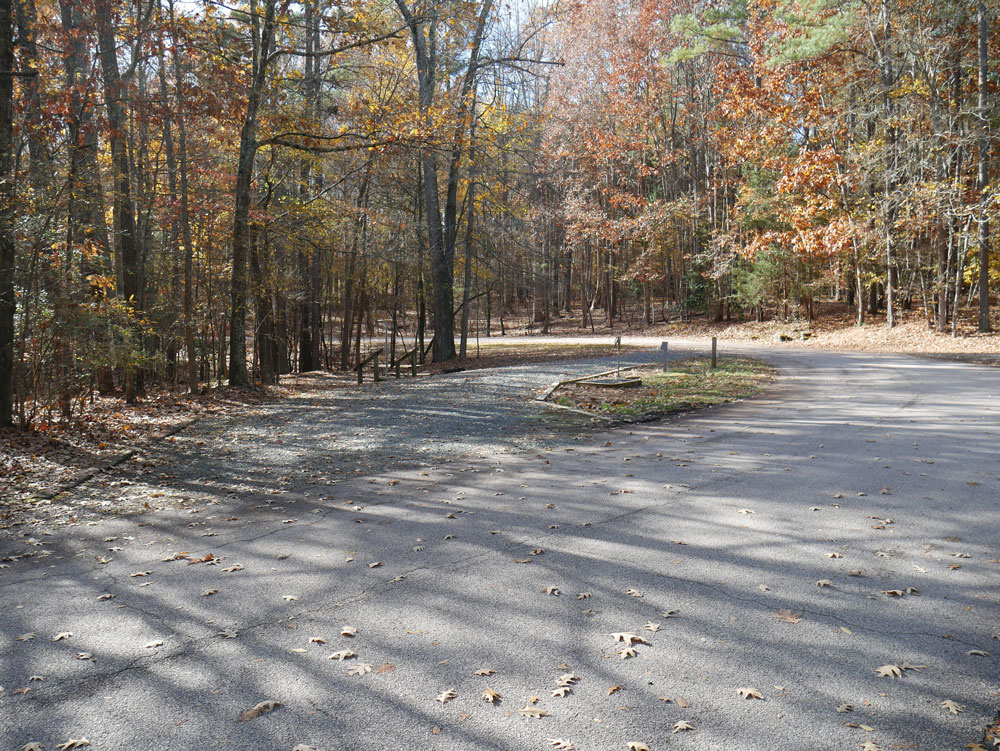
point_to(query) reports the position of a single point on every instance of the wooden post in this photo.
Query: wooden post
(375, 363)
(663, 349)
(714, 352)
(413, 363)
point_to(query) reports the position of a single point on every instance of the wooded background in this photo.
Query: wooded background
(196, 192)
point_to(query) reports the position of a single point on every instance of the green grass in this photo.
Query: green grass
(691, 384)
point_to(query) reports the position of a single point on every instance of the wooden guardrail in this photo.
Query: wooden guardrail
(373, 358)
(411, 356)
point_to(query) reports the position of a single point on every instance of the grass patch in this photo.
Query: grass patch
(690, 384)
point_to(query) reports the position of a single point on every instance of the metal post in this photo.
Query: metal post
(714, 351)
(663, 348)
(618, 346)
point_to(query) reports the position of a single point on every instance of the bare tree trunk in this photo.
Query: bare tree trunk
(6, 215)
(238, 375)
(125, 230)
(983, 176)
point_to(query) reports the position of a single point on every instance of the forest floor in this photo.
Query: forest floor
(833, 328)
(439, 564)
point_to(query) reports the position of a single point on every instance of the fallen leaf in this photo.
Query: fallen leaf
(234, 567)
(228, 633)
(209, 592)
(83, 656)
(154, 644)
(554, 591)
(256, 711)
(532, 712)
(561, 692)
(376, 564)
(106, 597)
(626, 652)
(583, 596)
(654, 627)
(35, 678)
(484, 671)
(952, 706)
(344, 654)
(889, 671)
(385, 668)
(304, 747)
(62, 635)
(26, 637)
(750, 693)
(33, 746)
(682, 725)
(446, 696)
(491, 696)
(637, 746)
(561, 744)
(567, 679)
(824, 583)
(300, 650)
(140, 573)
(289, 598)
(349, 631)
(362, 668)
(845, 707)
(317, 640)
(73, 743)
(977, 653)
(615, 689)
(628, 638)
(870, 746)
(834, 555)
(633, 592)
(788, 616)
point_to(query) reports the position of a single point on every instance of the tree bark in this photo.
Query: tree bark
(6, 215)
(983, 172)
(125, 229)
(238, 375)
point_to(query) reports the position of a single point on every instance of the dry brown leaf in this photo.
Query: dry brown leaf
(257, 710)
(446, 696)
(788, 616)
(362, 668)
(317, 640)
(952, 706)
(228, 633)
(154, 644)
(385, 667)
(561, 744)
(554, 591)
(350, 631)
(73, 743)
(615, 689)
(344, 654)
(33, 746)
(26, 637)
(567, 679)
(749, 693)
(654, 627)
(62, 635)
(561, 692)
(870, 746)
(633, 592)
(977, 653)
(824, 583)
(845, 707)
(209, 592)
(231, 569)
(484, 671)
(491, 696)
(532, 712)
(681, 725)
(889, 671)
(583, 596)
(626, 652)
(637, 746)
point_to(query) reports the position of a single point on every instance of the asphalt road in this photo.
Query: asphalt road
(869, 473)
